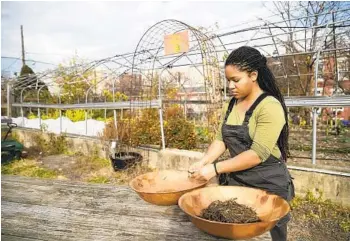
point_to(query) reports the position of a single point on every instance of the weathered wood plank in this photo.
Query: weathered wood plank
(45, 182)
(35, 214)
(55, 210)
(102, 201)
(16, 238)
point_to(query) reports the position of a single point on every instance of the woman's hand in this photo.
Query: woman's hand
(205, 173)
(195, 167)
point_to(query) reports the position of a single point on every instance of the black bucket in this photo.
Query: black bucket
(124, 160)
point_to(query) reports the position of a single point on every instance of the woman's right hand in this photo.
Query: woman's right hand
(196, 167)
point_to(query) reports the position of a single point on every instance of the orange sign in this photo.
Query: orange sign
(176, 43)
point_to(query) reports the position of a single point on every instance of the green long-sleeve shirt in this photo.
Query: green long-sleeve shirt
(265, 126)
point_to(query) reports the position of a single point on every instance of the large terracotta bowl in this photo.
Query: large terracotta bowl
(164, 187)
(269, 208)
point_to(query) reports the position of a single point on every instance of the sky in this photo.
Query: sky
(55, 31)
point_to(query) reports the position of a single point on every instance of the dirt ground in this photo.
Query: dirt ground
(314, 221)
(90, 169)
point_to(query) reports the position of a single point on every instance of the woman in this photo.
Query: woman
(254, 127)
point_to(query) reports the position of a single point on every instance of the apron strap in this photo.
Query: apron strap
(249, 113)
(229, 109)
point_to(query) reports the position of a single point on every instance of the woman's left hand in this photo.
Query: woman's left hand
(205, 173)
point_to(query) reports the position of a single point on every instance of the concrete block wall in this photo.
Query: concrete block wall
(75, 144)
(334, 187)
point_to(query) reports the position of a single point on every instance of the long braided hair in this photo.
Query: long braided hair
(249, 59)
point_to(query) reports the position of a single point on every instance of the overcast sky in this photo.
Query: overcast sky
(54, 31)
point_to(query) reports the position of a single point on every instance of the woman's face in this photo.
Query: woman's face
(240, 83)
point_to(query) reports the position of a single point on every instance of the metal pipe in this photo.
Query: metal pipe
(60, 121)
(59, 103)
(22, 92)
(115, 111)
(285, 33)
(314, 114)
(302, 101)
(161, 110)
(284, 69)
(98, 105)
(39, 113)
(276, 56)
(8, 87)
(86, 122)
(282, 21)
(22, 117)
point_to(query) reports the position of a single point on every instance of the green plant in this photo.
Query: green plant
(98, 179)
(14, 136)
(54, 145)
(341, 126)
(89, 167)
(44, 127)
(57, 144)
(145, 129)
(76, 115)
(202, 134)
(101, 119)
(52, 114)
(39, 143)
(118, 96)
(314, 207)
(345, 225)
(74, 79)
(179, 132)
(31, 115)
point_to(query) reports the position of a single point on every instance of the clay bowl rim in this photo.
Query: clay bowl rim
(172, 192)
(228, 224)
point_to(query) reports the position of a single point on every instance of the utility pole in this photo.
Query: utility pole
(22, 40)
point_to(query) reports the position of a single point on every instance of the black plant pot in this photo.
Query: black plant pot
(123, 160)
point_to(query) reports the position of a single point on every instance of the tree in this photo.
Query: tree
(29, 80)
(74, 80)
(313, 18)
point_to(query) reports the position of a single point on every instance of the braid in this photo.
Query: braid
(249, 59)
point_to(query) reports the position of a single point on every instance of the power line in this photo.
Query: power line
(33, 53)
(30, 60)
(11, 64)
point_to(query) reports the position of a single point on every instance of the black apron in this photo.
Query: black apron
(271, 175)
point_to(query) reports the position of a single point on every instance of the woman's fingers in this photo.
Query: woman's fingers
(190, 173)
(196, 166)
(197, 175)
(193, 167)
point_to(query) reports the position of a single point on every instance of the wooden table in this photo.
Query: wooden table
(37, 209)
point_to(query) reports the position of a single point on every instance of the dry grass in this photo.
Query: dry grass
(121, 177)
(78, 167)
(29, 168)
(314, 218)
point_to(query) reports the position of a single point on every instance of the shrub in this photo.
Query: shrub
(145, 129)
(54, 145)
(76, 115)
(31, 115)
(52, 114)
